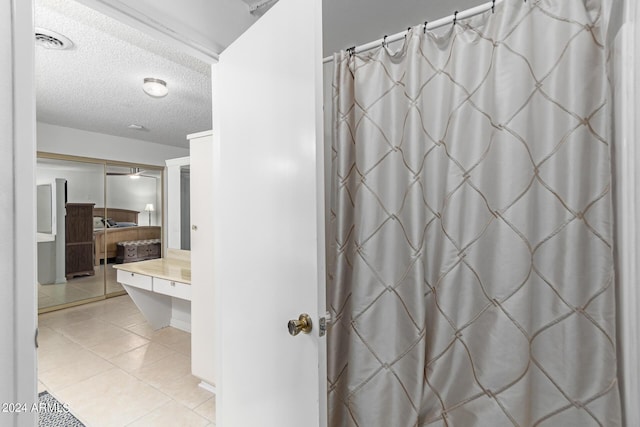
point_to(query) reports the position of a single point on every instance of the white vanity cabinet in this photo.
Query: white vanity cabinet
(203, 319)
(161, 289)
(136, 280)
(172, 288)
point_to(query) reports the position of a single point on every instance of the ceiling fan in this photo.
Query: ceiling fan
(133, 173)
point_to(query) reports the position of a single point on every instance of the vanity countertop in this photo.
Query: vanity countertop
(178, 270)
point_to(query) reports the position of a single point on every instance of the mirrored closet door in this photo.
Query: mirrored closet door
(133, 216)
(90, 212)
(67, 192)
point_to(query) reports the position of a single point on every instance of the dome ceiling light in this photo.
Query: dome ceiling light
(155, 88)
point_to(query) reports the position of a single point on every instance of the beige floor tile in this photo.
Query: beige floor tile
(41, 387)
(91, 332)
(186, 391)
(52, 357)
(112, 348)
(94, 309)
(77, 367)
(114, 311)
(123, 300)
(207, 409)
(51, 339)
(142, 329)
(104, 355)
(56, 319)
(145, 355)
(165, 371)
(116, 399)
(182, 345)
(124, 319)
(171, 415)
(169, 335)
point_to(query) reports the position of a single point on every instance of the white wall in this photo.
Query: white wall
(76, 142)
(124, 193)
(86, 186)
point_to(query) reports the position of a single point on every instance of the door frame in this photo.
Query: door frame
(626, 176)
(19, 301)
(23, 265)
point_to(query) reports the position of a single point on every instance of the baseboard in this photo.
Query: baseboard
(180, 324)
(207, 387)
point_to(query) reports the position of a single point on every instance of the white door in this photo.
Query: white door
(268, 221)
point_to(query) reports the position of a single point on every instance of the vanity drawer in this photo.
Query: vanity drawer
(133, 279)
(173, 288)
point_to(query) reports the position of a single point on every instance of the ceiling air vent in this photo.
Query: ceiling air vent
(52, 40)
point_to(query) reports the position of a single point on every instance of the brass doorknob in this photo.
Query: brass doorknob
(303, 324)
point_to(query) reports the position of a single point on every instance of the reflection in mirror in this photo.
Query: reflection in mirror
(46, 208)
(132, 219)
(178, 203)
(84, 209)
(185, 204)
(66, 271)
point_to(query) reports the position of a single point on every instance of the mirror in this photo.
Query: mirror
(185, 207)
(133, 213)
(46, 209)
(67, 192)
(178, 203)
(77, 245)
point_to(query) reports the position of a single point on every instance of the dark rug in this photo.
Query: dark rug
(52, 413)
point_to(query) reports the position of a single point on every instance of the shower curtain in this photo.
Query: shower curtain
(471, 278)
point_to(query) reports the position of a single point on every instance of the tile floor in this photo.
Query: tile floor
(112, 369)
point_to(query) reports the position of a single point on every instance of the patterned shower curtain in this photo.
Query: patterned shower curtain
(471, 274)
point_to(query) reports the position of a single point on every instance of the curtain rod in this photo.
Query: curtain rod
(430, 26)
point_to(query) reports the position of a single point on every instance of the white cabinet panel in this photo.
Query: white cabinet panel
(172, 288)
(137, 280)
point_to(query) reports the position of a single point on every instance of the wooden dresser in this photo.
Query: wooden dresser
(79, 240)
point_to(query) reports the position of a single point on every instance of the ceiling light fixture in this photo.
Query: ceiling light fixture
(134, 173)
(155, 87)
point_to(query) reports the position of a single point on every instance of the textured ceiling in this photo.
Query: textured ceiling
(97, 85)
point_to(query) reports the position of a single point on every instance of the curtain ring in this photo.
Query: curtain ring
(455, 17)
(425, 27)
(384, 41)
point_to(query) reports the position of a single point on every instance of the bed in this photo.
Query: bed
(124, 229)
